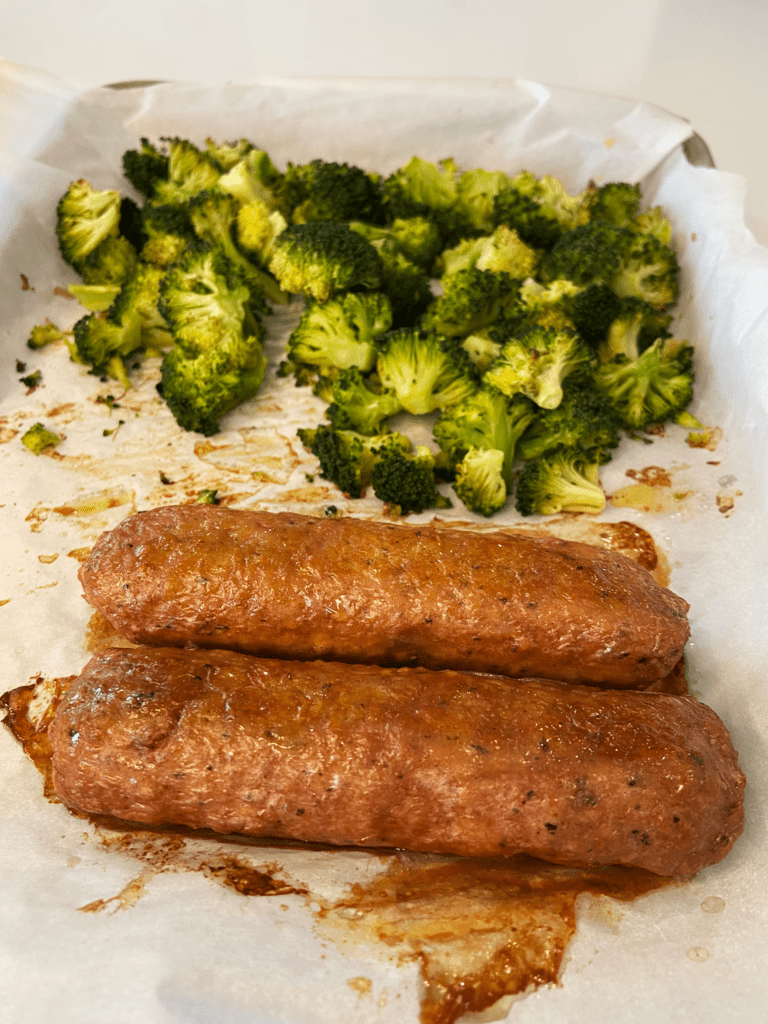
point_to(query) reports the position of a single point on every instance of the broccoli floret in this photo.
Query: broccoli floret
(540, 210)
(140, 295)
(347, 458)
(426, 372)
(103, 344)
(227, 154)
(256, 228)
(616, 202)
(636, 326)
(405, 481)
(38, 438)
(85, 217)
(482, 348)
(652, 388)
(461, 256)
(417, 238)
(145, 167)
(593, 309)
(111, 262)
(323, 257)
(207, 497)
(43, 334)
(584, 421)
(200, 389)
(590, 252)
(327, 191)
(214, 215)
(546, 305)
(477, 190)
(471, 300)
(190, 172)
(648, 269)
(479, 436)
(501, 252)
(358, 406)
(480, 483)
(655, 223)
(424, 189)
(341, 332)
(484, 419)
(562, 481)
(535, 363)
(203, 301)
(169, 233)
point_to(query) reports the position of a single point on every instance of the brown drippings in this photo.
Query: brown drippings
(29, 710)
(480, 930)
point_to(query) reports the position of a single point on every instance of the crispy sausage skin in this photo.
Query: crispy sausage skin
(443, 761)
(291, 586)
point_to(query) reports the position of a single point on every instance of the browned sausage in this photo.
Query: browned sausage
(292, 586)
(433, 761)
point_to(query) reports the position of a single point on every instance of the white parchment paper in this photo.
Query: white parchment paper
(187, 950)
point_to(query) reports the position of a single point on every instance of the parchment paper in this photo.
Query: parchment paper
(186, 950)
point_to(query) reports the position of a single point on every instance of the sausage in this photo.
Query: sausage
(298, 587)
(445, 762)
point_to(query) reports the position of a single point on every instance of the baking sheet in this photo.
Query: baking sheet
(174, 946)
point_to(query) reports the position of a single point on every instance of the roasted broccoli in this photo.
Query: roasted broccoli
(85, 218)
(501, 252)
(405, 481)
(145, 167)
(323, 257)
(326, 191)
(476, 190)
(44, 334)
(39, 438)
(616, 202)
(592, 310)
(214, 218)
(561, 481)
(471, 300)
(347, 458)
(341, 332)
(635, 326)
(200, 389)
(203, 300)
(652, 388)
(588, 253)
(103, 344)
(539, 209)
(358, 405)
(190, 172)
(479, 435)
(417, 238)
(647, 269)
(536, 361)
(426, 372)
(422, 188)
(583, 421)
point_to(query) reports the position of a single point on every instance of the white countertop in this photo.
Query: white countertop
(702, 60)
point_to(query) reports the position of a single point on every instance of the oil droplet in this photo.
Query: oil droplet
(47, 559)
(699, 954)
(713, 905)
